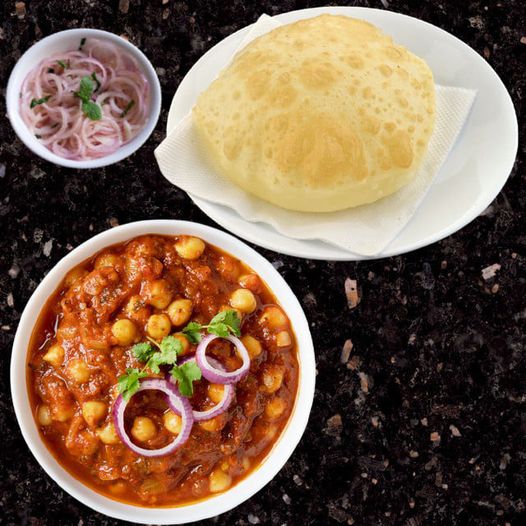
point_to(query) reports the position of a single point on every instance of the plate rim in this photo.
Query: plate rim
(318, 252)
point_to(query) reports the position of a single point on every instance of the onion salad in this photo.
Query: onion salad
(85, 103)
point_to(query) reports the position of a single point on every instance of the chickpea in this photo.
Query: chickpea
(274, 318)
(251, 282)
(213, 424)
(190, 247)
(118, 488)
(124, 331)
(272, 378)
(245, 463)
(253, 346)
(158, 326)
(172, 422)
(107, 260)
(184, 342)
(73, 275)
(62, 413)
(158, 293)
(78, 371)
(44, 415)
(108, 435)
(180, 311)
(275, 408)
(216, 392)
(54, 355)
(244, 300)
(143, 429)
(93, 411)
(219, 481)
(283, 339)
(136, 309)
(270, 432)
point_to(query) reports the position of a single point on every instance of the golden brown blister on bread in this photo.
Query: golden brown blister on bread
(320, 115)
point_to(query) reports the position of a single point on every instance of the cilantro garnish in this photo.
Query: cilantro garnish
(62, 64)
(222, 324)
(186, 375)
(128, 383)
(86, 88)
(91, 110)
(153, 355)
(129, 106)
(82, 42)
(36, 102)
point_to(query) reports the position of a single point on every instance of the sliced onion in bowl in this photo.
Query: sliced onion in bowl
(220, 407)
(177, 403)
(214, 374)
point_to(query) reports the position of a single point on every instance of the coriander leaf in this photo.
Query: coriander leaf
(85, 88)
(62, 64)
(129, 106)
(154, 362)
(142, 351)
(36, 102)
(91, 110)
(219, 329)
(224, 322)
(82, 42)
(185, 375)
(128, 383)
(94, 77)
(170, 348)
(192, 332)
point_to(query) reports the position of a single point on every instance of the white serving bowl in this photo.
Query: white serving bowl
(275, 459)
(66, 41)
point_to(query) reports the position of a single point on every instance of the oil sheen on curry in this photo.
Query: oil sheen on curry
(162, 371)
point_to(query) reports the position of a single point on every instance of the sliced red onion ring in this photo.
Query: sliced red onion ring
(177, 403)
(220, 407)
(216, 375)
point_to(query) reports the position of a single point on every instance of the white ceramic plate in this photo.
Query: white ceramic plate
(471, 177)
(275, 459)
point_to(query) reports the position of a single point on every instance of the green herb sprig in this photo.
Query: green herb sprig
(154, 355)
(129, 106)
(185, 375)
(86, 88)
(36, 102)
(222, 324)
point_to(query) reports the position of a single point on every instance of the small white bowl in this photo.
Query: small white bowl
(275, 459)
(66, 41)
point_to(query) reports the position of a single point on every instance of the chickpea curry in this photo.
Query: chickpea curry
(162, 371)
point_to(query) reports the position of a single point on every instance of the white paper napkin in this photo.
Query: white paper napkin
(365, 230)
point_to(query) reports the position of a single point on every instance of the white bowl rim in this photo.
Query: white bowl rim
(13, 88)
(274, 460)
